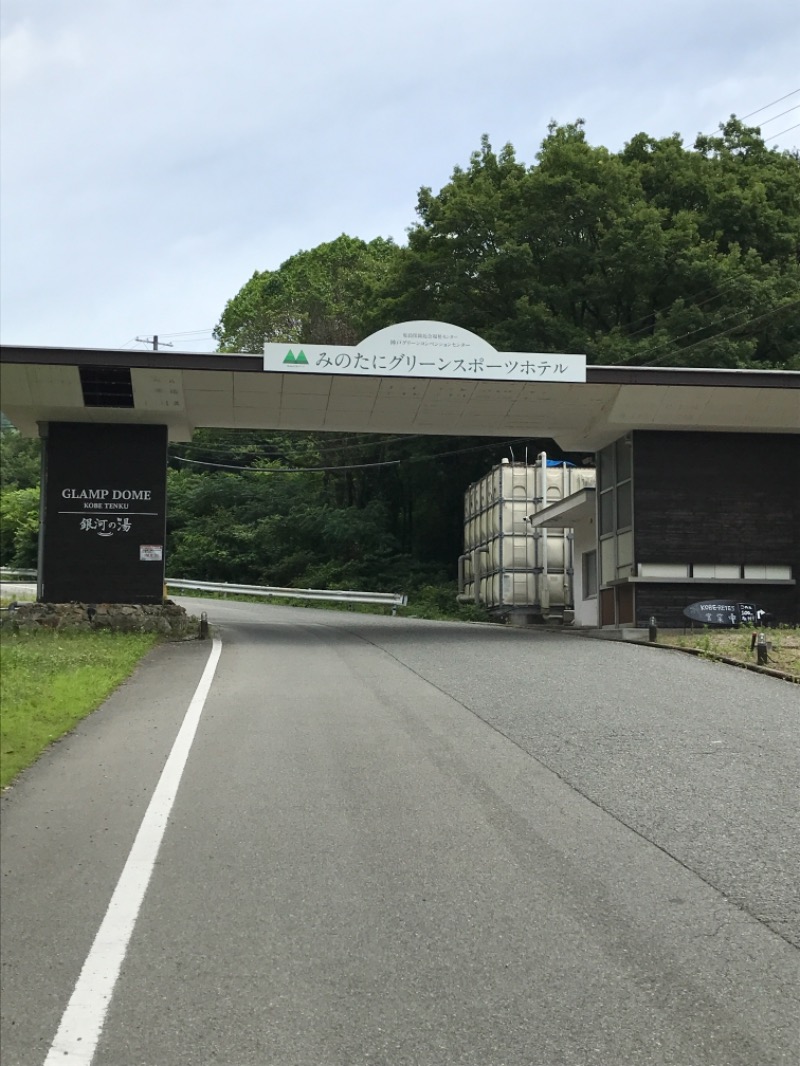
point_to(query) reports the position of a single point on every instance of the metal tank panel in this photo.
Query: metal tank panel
(521, 570)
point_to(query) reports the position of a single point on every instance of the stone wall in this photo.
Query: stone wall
(167, 618)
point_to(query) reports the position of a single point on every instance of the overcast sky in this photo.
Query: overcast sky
(155, 153)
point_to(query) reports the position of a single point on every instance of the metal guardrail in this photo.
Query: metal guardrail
(388, 599)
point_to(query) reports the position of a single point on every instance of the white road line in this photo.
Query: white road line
(82, 1022)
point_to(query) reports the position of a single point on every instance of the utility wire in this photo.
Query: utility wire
(463, 451)
(723, 333)
(789, 130)
(779, 115)
(280, 451)
(285, 469)
(354, 466)
(674, 340)
(188, 333)
(717, 292)
(691, 333)
(758, 110)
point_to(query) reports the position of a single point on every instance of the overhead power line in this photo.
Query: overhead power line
(717, 291)
(322, 448)
(682, 336)
(758, 110)
(765, 107)
(189, 333)
(154, 341)
(789, 130)
(354, 466)
(285, 469)
(780, 115)
(722, 333)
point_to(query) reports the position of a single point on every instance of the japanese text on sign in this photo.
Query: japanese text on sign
(106, 527)
(424, 350)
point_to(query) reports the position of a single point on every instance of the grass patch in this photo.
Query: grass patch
(50, 681)
(735, 644)
(20, 597)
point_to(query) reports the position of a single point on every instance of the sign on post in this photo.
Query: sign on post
(730, 613)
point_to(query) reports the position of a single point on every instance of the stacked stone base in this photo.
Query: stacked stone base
(166, 618)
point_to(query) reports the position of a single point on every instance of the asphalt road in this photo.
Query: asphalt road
(400, 842)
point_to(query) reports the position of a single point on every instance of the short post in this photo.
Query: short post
(652, 629)
(203, 634)
(761, 649)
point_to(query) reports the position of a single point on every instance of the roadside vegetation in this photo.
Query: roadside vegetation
(783, 651)
(50, 681)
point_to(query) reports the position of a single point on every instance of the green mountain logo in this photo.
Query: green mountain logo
(296, 360)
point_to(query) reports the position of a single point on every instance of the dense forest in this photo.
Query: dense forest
(657, 255)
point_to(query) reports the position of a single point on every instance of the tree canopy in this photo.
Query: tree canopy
(655, 255)
(317, 296)
(658, 254)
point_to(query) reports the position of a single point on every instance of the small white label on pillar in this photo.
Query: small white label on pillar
(151, 553)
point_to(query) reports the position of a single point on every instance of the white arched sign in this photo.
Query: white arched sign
(424, 350)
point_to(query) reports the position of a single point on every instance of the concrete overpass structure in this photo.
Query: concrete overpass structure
(699, 470)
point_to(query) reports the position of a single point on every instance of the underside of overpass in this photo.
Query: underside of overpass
(188, 391)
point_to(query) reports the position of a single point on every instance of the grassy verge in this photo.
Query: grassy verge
(784, 654)
(49, 681)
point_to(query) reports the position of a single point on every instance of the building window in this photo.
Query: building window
(589, 575)
(607, 511)
(615, 511)
(624, 506)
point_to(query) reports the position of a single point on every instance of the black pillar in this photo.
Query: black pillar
(104, 509)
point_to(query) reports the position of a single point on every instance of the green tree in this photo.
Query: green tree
(656, 254)
(19, 528)
(19, 460)
(19, 499)
(317, 296)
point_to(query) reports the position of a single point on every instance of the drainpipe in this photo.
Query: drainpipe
(477, 571)
(462, 596)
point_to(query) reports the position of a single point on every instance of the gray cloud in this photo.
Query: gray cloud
(156, 153)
